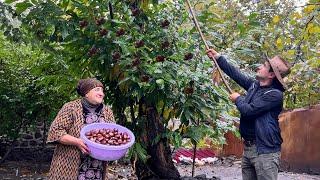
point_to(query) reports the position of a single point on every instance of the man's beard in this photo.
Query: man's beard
(260, 78)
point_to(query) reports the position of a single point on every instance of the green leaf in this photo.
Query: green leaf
(64, 32)
(118, 22)
(125, 80)
(10, 1)
(21, 7)
(246, 51)
(177, 139)
(241, 27)
(50, 29)
(160, 82)
(156, 139)
(141, 152)
(254, 23)
(194, 133)
(253, 16)
(34, 1)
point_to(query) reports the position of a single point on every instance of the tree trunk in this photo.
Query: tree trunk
(160, 164)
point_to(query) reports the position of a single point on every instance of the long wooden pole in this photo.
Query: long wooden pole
(207, 47)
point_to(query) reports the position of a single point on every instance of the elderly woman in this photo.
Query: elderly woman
(70, 159)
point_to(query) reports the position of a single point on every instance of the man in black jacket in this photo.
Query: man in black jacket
(259, 109)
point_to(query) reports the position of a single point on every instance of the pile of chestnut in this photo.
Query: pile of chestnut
(111, 137)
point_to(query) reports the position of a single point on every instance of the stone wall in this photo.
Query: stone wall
(30, 146)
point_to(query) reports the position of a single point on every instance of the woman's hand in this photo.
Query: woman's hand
(82, 146)
(70, 140)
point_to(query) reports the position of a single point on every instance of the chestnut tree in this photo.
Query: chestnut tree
(149, 58)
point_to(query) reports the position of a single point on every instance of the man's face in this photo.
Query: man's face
(95, 95)
(262, 72)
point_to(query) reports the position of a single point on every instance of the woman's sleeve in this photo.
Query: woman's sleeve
(60, 125)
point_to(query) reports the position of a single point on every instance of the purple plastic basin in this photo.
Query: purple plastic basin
(106, 152)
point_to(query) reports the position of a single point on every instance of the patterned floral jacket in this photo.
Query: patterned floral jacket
(66, 159)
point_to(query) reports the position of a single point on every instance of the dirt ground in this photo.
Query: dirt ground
(36, 171)
(234, 173)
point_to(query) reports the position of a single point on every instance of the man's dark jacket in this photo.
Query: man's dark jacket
(259, 109)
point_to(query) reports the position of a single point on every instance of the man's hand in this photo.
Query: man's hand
(234, 96)
(212, 53)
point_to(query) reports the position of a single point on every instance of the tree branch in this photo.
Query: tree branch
(299, 52)
(310, 4)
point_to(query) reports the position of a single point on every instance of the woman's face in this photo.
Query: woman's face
(95, 96)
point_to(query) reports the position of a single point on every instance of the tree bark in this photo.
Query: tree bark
(160, 164)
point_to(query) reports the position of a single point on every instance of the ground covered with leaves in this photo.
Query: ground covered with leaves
(224, 169)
